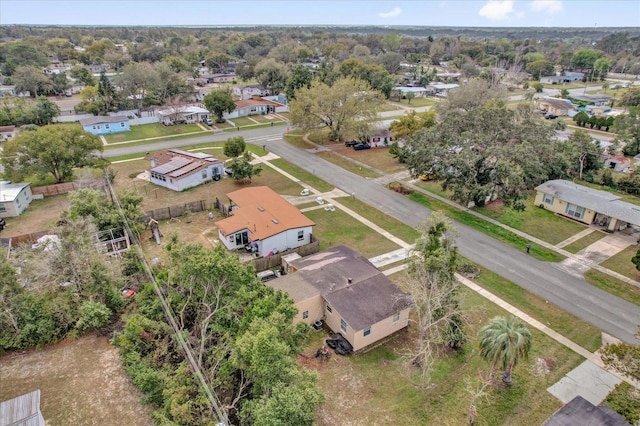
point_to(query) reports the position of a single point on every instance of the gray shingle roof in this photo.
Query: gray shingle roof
(579, 411)
(103, 119)
(593, 199)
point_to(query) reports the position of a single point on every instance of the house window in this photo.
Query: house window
(575, 211)
(106, 126)
(396, 317)
(367, 331)
(305, 315)
(121, 124)
(204, 174)
(95, 127)
(2, 207)
(329, 309)
(300, 235)
(547, 199)
(343, 325)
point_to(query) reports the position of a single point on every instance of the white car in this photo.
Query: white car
(208, 122)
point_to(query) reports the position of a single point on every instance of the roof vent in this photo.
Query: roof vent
(275, 221)
(261, 209)
(349, 280)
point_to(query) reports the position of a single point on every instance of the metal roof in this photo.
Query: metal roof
(593, 199)
(103, 119)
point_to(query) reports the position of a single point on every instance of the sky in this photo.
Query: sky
(459, 13)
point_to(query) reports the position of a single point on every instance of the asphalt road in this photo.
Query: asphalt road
(607, 312)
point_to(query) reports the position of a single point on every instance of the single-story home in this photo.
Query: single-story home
(56, 69)
(567, 77)
(23, 410)
(441, 89)
(182, 114)
(7, 91)
(418, 92)
(342, 288)
(178, 170)
(103, 125)
(597, 100)
(14, 198)
(256, 106)
(454, 76)
(617, 163)
(219, 78)
(7, 132)
(555, 106)
(587, 205)
(264, 221)
(249, 91)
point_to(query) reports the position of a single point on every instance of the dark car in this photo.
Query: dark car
(351, 143)
(550, 116)
(228, 171)
(361, 146)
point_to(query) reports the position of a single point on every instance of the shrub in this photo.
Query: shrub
(622, 401)
(93, 315)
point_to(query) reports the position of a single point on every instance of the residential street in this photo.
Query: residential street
(613, 315)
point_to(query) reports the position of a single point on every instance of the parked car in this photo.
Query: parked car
(228, 171)
(208, 122)
(550, 116)
(361, 146)
(351, 143)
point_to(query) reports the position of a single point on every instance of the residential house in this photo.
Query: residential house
(552, 79)
(219, 78)
(104, 125)
(6, 91)
(264, 221)
(452, 76)
(596, 100)
(418, 92)
(56, 69)
(555, 106)
(573, 76)
(178, 170)
(441, 89)
(7, 132)
(587, 205)
(256, 106)
(177, 114)
(346, 291)
(23, 410)
(617, 163)
(97, 69)
(14, 198)
(248, 92)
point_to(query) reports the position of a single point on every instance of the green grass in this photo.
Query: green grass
(153, 130)
(621, 262)
(337, 228)
(243, 121)
(584, 242)
(296, 138)
(612, 285)
(303, 175)
(386, 222)
(348, 165)
(540, 223)
(415, 102)
(488, 228)
(573, 328)
(148, 142)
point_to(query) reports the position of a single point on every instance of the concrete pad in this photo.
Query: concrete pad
(390, 257)
(586, 380)
(574, 267)
(604, 248)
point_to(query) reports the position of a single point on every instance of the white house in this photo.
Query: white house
(178, 170)
(263, 220)
(176, 114)
(248, 92)
(14, 198)
(418, 92)
(441, 89)
(256, 106)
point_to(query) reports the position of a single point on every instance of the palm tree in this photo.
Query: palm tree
(504, 341)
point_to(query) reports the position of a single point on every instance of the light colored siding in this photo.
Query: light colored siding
(315, 306)
(379, 330)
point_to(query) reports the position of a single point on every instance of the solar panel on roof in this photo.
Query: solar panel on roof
(172, 165)
(184, 170)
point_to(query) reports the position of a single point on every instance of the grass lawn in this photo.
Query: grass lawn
(540, 223)
(584, 242)
(352, 385)
(490, 229)
(153, 130)
(336, 228)
(386, 222)
(303, 175)
(378, 158)
(295, 138)
(388, 106)
(415, 102)
(621, 263)
(605, 282)
(348, 165)
(243, 121)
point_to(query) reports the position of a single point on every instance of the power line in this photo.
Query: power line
(186, 347)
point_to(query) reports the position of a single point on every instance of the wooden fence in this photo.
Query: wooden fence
(63, 188)
(166, 213)
(269, 262)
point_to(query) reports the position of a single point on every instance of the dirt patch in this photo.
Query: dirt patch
(40, 216)
(82, 383)
(543, 366)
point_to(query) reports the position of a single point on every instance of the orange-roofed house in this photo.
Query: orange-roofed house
(263, 220)
(258, 106)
